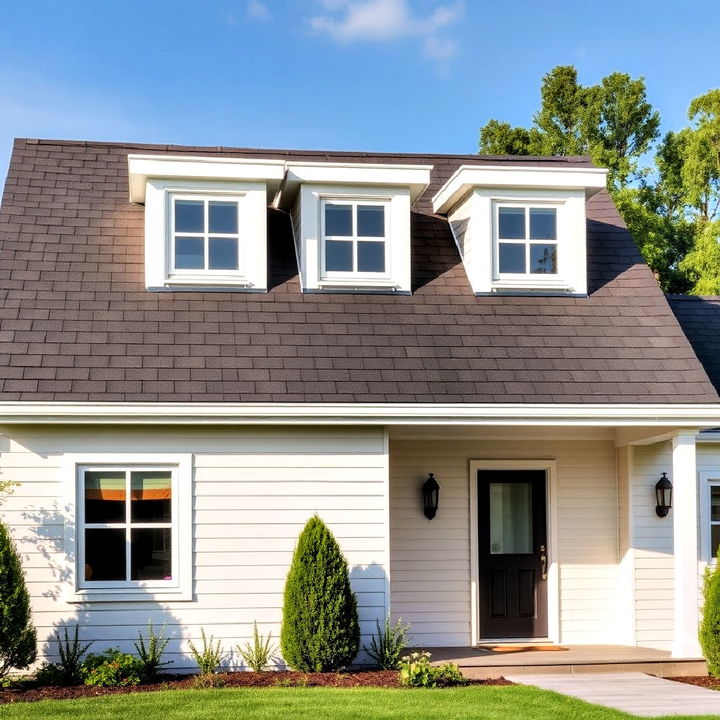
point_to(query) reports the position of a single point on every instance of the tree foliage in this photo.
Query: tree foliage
(18, 641)
(671, 208)
(320, 630)
(709, 634)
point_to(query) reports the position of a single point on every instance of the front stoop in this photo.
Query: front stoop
(661, 669)
(477, 663)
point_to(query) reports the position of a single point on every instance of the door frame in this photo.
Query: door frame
(553, 575)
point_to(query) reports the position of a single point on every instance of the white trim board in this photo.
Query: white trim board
(553, 574)
(508, 414)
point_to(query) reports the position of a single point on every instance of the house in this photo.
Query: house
(201, 347)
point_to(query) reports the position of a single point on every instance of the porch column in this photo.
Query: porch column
(685, 546)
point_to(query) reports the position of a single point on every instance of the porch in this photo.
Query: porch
(531, 659)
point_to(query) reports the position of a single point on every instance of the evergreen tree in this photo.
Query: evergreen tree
(17, 635)
(320, 630)
(709, 634)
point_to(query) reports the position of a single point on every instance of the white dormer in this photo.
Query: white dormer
(205, 220)
(521, 229)
(351, 223)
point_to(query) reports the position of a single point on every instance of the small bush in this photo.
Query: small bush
(387, 644)
(68, 670)
(112, 668)
(201, 682)
(709, 634)
(320, 629)
(209, 658)
(18, 641)
(416, 671)
(257, 654)
(150, 652)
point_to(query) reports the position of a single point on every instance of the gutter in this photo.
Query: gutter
(508, 414)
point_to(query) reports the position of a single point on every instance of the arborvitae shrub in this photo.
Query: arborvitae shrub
(320, 630)
(710, 625)
(18, 642)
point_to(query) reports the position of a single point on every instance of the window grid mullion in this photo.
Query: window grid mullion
(127, 525)
(206, 228)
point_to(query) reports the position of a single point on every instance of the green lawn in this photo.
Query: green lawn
(472, 703)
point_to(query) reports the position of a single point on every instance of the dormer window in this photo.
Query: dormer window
(351, 223)
(355, 238)
(205, 234)
(526, 240)
(205, 220)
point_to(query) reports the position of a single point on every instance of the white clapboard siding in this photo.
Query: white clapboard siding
(253, 490)
(652, 542)
(431, 559)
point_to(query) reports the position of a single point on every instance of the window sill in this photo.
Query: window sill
(359, 284)
(531, 284)
(128, 595)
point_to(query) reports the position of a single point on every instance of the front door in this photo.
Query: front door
(512, 535)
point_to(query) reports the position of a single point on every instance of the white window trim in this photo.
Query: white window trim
(536, 279)
(252, 233)
(478, 248)
(310, 243)
(340, 278)
(708, 480)
(181, 275)
(180, 587)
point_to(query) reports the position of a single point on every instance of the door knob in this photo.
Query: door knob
(543, 563)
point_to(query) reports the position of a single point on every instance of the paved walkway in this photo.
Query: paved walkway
(632, 692)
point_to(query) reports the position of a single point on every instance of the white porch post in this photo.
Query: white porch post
(685, 546)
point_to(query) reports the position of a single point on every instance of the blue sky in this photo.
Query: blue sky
(386, 75)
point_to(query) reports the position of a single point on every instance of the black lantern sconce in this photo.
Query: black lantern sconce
(431, 494)
(663, 496)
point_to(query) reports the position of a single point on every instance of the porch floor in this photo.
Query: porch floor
(483, 662)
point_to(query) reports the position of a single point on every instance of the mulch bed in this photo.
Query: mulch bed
(706, 681)
(25, 691)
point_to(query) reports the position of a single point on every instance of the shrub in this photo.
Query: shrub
(388, 644)
(112, 668)
(18, 641)
(209, 658)
(709, 634)
(151, 652)
(257, 654)
(68, 670)
(320, 630)
(416, 671)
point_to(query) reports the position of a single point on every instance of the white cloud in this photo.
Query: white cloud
(348, 21)
(258, 10)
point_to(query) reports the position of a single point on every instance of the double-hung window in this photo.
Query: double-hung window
(526, 240)
(133, 531)
(713, 517)
(205, 235)
(355, 237)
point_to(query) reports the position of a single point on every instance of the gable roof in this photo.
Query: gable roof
(699, 317)
(77, 324)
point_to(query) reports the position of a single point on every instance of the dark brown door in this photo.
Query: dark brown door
(512, 535)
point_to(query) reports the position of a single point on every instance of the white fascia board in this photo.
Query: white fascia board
(142, 167)
(414, 177)
(468, 177)
(536, 414)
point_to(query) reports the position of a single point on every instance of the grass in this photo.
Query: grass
(471, 703)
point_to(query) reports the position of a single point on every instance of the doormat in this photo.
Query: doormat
(522, 648)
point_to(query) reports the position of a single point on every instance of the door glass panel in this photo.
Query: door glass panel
(511, 528)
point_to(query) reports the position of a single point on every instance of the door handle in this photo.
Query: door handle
(543, 563)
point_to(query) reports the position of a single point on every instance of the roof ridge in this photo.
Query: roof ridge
(257, 150)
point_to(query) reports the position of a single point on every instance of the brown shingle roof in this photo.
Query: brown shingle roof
(76, 323)
(700, 319)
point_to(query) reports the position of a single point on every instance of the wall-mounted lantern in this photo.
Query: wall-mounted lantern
(663, 496)
(431, 494)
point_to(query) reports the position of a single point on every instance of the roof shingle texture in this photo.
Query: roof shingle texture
(699, 317)
(76, 323)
